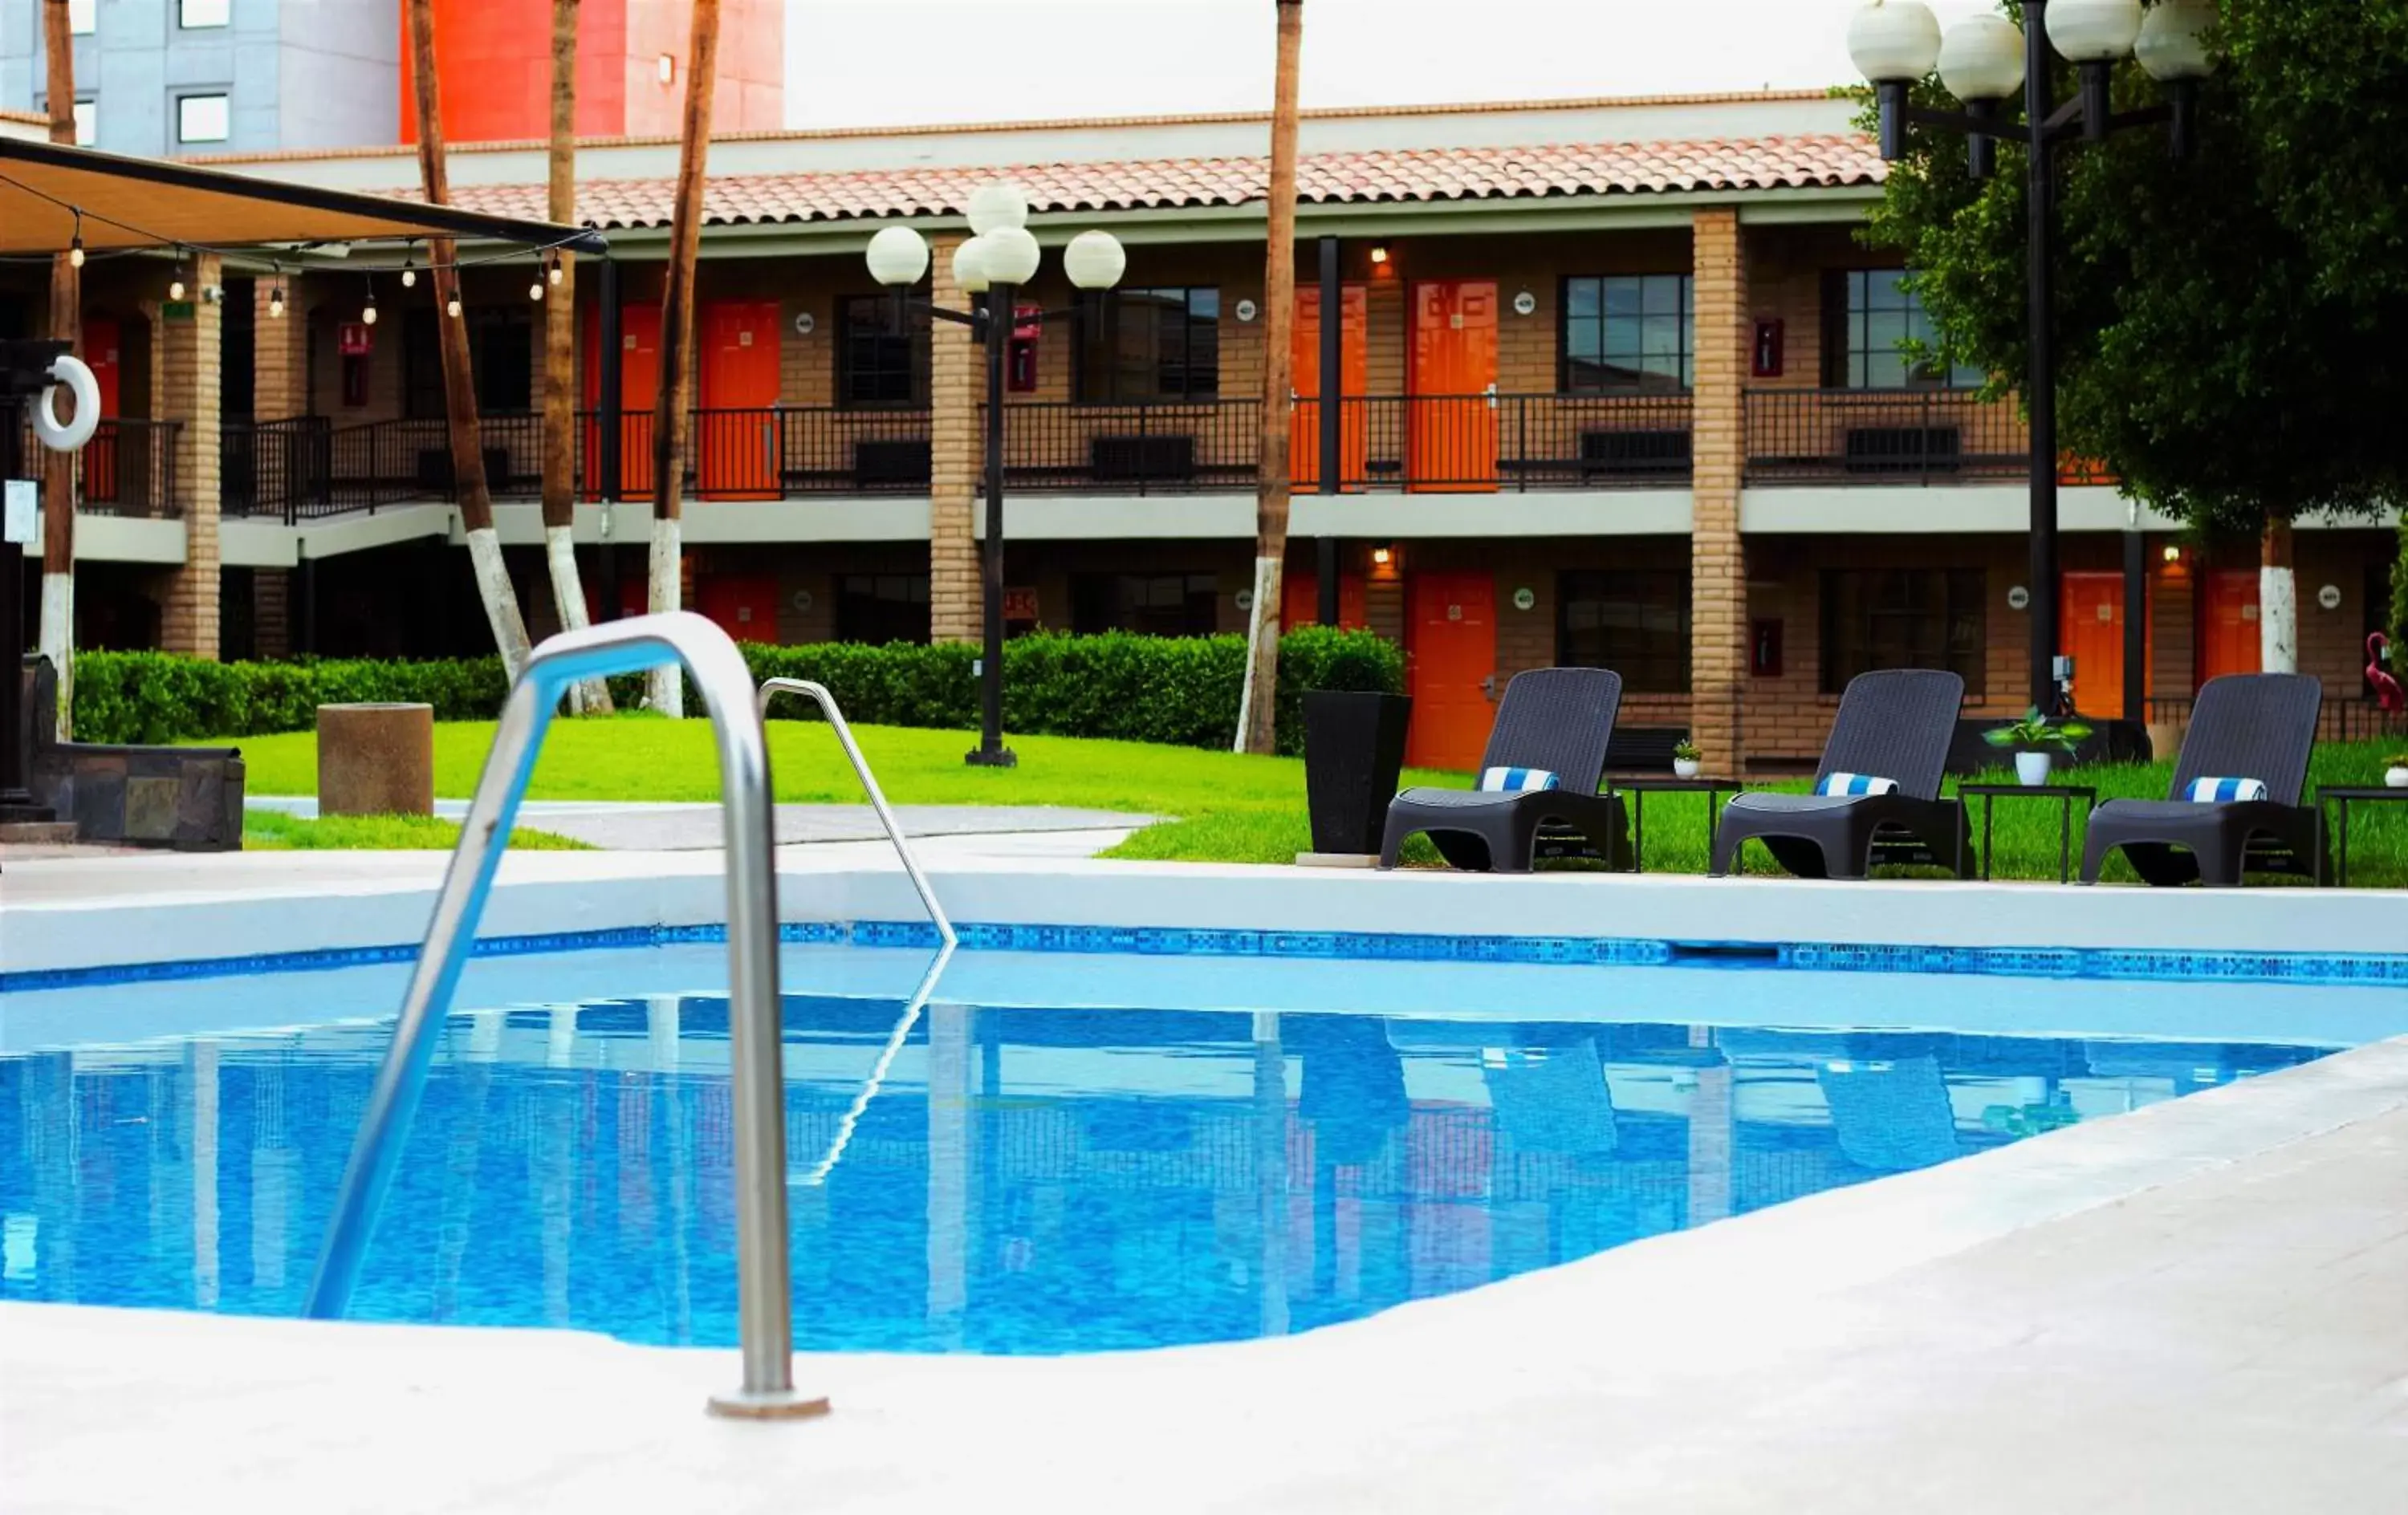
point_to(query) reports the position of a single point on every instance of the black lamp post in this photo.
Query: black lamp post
(1897, 43)
(993, 264)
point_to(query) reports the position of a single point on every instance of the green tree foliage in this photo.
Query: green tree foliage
(2233, 329)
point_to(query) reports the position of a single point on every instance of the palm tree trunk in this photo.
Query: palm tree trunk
(459, 384)
(560, 362)
(671, 411)
(56, 639)
(2278, 600)
(1258, 707)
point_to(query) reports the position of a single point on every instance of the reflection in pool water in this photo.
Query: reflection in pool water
(1026, 1181)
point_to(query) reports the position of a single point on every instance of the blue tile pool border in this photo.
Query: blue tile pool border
(2089, 963)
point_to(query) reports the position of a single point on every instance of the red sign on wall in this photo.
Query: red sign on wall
(354, 339)
(1020, 605)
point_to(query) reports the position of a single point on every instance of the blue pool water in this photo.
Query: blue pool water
(1026, 1178)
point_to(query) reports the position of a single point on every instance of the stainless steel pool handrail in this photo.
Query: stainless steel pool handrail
(851, 1120)
(764, 1278)
(819, 695)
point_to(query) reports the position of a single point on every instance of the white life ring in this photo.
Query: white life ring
(44, 409)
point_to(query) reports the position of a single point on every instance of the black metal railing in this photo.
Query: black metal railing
(2339, 721)
(1442, 443)
(1883, 437)
(128, 468)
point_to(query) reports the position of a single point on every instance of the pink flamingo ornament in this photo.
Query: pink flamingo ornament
(2389, 696)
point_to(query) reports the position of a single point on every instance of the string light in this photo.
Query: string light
(176, 284)
(276, 303)
(409, 274)
(552, 275)
(75, 249)
(452, 306)
(367, 314)
(535, 292)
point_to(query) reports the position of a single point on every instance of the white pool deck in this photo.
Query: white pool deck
(2203, 1306)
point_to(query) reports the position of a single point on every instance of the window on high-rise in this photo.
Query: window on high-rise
(204, 117)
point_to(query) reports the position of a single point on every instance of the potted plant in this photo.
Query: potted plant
(2395, 770)
(1686, 759)
(2036, 742)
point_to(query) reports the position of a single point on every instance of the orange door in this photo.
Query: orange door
(2090, 629)
(639, 388)
(1451, 418)
(744, 606)
(2227, 623)
(100, 458)
(1353, 445)
(735, 437)
(1301, 600)
(1450, 657)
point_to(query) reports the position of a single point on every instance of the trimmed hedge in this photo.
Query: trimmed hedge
(1180, 690)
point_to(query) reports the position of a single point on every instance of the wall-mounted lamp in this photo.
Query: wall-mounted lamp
(1382, 556)
(1379, 255)
(2174, 553)
(664, 68)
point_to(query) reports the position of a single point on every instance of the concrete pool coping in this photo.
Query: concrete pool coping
(65, 914)
(2193, 1307)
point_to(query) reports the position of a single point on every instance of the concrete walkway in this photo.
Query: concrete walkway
(2198, 1308)
(621, 826)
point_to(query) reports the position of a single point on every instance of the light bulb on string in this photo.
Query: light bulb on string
(451, 306)
(75, 249)
(367, 314)
(552, 274)
(409, 275)
(175, 281)
(535, 292)
(276, 303)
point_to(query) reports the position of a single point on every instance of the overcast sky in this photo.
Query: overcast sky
(870, 63)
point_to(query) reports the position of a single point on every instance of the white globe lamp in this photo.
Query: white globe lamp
(898, 257)
(1095, 260)
(2173, 44)
(1894, 41)
(993, 206)
(969, 267)
(2093, 31)
(1009, 253)
(1982, 57)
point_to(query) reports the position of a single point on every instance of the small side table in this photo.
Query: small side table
(1639, 788)
(2064, 794)
(2346, 795)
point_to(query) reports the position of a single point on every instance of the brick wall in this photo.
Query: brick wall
(1718, 558)
(955, 384)
(280, 356)
(190, 353)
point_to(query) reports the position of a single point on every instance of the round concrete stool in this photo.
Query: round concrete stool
(376, 760)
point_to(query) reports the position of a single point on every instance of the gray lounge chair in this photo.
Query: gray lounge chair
(2244, 726)
(1893, 724)
(1559, 720)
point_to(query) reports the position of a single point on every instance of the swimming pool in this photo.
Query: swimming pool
(1064, 1155)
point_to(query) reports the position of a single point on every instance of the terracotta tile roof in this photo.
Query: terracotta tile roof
(1333, 178)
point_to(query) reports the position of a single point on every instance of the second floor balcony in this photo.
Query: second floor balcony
(307, 467)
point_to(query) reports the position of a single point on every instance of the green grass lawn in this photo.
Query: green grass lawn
(1226, 807)
(265, 831)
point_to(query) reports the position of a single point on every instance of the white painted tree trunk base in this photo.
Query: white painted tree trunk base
(589, 696)
(2278, 619)
(1263, 623)
(501, 598)
(665, 687)
(57, 643)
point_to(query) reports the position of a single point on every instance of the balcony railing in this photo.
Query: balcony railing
(128, 468)
(1883, 437)
(306, 466)
(1438, 444)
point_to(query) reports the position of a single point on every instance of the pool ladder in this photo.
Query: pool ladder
(763, 1272)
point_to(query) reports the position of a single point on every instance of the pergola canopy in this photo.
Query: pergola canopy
(146, 203)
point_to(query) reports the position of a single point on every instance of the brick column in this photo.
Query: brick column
(191, 350)
(954, 389)
(280, 357)
(1717, 558)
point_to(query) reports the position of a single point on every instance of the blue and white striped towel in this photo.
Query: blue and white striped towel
(1516, 781)
(1856, 784)
(2224, 791)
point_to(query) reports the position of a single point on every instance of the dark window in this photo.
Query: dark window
(1909, 618)
(1636, 622)
(878, 609)
(1156, 605)
(501, 361)
(878, 363)
(1150, 344)
(1868, 316)
(1632, 332)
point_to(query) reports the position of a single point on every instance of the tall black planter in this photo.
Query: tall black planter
(1354, 751)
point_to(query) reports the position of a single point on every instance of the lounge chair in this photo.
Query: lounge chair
(1893, 730)
(1554, 721)
(2245, 726)
(1890, 1115)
